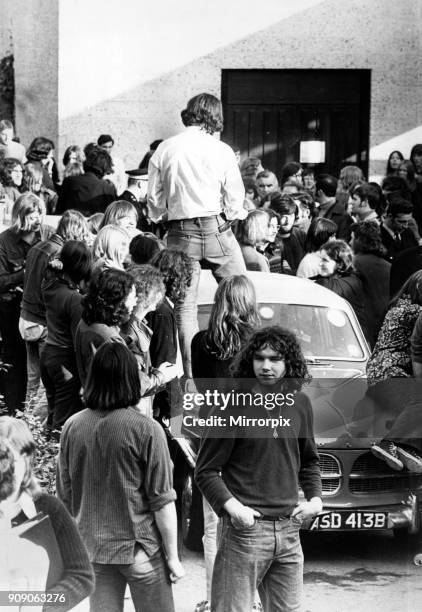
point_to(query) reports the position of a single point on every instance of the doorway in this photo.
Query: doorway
(268, 113)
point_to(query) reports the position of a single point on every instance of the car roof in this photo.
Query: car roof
(279, 289)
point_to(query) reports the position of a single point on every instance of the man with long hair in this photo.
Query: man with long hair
(15, 243)
(32, 323)
(250, 475)
(194, 180)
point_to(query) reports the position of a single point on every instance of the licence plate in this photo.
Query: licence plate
(349, 520)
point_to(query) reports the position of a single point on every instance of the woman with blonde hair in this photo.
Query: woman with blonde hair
(111, 248)
(252, 234)
(15, 244)
(22, 499)
(234, 317)
(122, 214)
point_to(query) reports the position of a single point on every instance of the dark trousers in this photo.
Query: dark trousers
(12, 381)
(59, 374)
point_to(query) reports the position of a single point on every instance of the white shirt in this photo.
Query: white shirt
(310, 265)
(119, 176)
(192, 175)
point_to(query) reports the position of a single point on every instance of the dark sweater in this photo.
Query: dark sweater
(77, 580)
(33, 308)
(263, 473)
(63, 311)
(208, 370)
(86, 193)
(205, 363)
(13, 253)
(293, 248)
(163, 348)
(403, 266)
(348, 286)
(374, 272)
(88, 338)
(337, 213)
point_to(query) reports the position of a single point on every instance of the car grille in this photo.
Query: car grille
(330, 473)
(372, 475)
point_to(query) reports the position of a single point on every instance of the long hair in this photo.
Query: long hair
(33, 176)
(76, 258)
(113, 378)
(15, 434)
(341, 253)
(251, 167)
(284, 343)
(416, 150)
(253, 230)
(7, 470)
(319, 232)
(73, 226)
(68, 153)
(389, 169)
(24, 206)
(367, 238)
(410, 174)
(350, 176)
(109, 246)
(412, 288)
(105, 301)
(234, 316)
(117, 210)
(176, 269)
(6, 167)
(288, 170)
(39, 149)
(98, 161)
(73, 169)
(205, 111)
(148, 284)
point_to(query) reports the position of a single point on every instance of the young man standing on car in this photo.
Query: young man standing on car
(194, 179)
(250, 475)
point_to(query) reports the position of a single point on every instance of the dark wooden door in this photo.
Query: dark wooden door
(267, 113)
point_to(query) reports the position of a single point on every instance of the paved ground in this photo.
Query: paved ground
(347, 572)
(343, 573)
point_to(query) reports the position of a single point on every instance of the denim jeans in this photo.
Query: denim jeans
(267, 556)
(33, 353)
(148, 580)
(219, 251)
(209, 540)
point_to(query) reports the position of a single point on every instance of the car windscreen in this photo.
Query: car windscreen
(324, 333)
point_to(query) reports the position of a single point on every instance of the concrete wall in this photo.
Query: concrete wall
(382, 35)
(29, 30)
(127, 67)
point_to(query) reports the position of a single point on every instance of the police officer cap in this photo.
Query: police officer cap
(139, 173)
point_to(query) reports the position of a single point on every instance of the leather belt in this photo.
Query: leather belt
(266, 517)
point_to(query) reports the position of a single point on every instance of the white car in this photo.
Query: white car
(360, 492)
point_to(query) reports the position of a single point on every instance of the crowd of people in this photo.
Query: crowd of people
(99, 311)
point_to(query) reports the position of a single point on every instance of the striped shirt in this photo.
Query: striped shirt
(114, 472)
